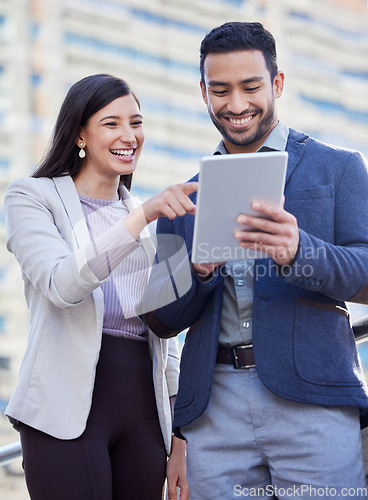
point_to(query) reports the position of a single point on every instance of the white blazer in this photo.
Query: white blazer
(47, 234)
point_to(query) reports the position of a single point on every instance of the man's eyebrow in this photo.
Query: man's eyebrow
(116, 117)
(219, 83)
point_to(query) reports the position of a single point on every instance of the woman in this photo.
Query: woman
(92, 402)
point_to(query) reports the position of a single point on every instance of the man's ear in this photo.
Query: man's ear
(278, 84)
(204, 93)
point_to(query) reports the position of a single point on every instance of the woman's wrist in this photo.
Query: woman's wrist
(135, 222)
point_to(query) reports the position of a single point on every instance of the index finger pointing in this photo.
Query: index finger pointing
(190, 187)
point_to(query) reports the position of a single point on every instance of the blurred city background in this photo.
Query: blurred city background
(47, 45)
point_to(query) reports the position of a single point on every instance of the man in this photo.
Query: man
(271, 386)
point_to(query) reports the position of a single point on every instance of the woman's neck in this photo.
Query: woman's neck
(94, 188)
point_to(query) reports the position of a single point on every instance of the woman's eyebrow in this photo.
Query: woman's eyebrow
(115, 117)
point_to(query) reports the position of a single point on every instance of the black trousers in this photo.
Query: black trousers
(121, 454)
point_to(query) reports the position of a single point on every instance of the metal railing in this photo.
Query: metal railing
(360, 328)
(12, 451)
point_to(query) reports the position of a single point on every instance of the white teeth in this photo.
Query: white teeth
(122, 152)
(243, 121)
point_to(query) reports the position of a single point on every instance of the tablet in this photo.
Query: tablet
(227, 186)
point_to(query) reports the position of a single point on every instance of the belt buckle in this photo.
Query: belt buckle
(237, 366)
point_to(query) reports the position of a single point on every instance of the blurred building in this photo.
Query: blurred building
(46, 45)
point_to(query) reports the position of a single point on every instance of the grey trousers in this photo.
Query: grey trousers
(252, 443)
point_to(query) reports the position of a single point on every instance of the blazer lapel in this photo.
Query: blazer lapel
(73, 208)
(295, 147)
(70, 199)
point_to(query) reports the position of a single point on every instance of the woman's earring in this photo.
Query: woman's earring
(82, 153)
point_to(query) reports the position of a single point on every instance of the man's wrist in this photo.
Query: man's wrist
(177, 434)
(204, 274)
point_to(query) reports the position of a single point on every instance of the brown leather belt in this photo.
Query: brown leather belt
(240, 356)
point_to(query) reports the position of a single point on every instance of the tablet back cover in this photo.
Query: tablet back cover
(227, 186)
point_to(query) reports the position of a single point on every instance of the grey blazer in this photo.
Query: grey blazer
(47, 234)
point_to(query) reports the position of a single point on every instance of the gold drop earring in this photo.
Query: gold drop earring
(82, 153)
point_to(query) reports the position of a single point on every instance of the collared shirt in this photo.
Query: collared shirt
(236, 318)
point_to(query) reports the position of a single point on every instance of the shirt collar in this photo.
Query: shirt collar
(276, 140)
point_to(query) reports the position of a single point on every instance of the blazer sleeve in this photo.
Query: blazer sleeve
(180, 293)
(338, 269)
(40, 236)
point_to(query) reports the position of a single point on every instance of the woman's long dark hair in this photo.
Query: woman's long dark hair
(84, 99)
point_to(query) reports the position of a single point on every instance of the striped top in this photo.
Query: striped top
(114, 256)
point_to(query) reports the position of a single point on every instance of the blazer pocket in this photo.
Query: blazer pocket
(313, 206)
(312, 193)
(324, 345)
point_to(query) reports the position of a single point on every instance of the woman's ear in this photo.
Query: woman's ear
(80, 138)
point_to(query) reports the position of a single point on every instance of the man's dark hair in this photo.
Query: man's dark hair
(233, 36)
